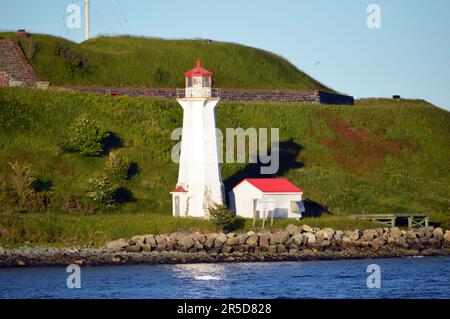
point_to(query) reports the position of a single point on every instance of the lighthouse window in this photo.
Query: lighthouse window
(197, 81)
(189, 84)
(206, 81)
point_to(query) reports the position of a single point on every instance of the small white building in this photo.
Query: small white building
(244, 197)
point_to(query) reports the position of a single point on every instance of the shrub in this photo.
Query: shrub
(221, 216)
(102, 190)
(86, 135)
(21, 181)
(118, 165)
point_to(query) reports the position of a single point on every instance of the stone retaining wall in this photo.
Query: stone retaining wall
(291, 96)
(288, 241)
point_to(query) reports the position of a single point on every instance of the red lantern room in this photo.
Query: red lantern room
(198, 82)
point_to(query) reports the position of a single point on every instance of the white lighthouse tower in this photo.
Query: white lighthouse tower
(199, 183)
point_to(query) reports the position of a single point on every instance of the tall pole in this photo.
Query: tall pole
(86, 20)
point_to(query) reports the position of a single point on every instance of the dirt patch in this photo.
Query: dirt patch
(357, 148)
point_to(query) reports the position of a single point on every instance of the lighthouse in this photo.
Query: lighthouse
(199, 184)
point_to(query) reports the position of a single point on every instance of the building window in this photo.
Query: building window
(206, 81)
(189, 82)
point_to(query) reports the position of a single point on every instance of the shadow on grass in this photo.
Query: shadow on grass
(111, 142)
(288, 153)
(41, 185)
(124, 195)
(314, 209)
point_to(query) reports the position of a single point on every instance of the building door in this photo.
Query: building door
(177, 205)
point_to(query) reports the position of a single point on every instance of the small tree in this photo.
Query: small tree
(102, 190)
(21, 180)
(221, 216)
(86, 135)
(118, 165)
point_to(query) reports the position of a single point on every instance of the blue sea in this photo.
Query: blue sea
(427, 277)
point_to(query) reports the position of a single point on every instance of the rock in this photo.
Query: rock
(292, 229)
(150, 240)
(133, 249)
(176, 236)
(187, 241)
(306, 229)
(447, 236)
(232, 241)
(146, 247)
(117, 245)
(347, 242)
(161, 247)
(160, 240)
(395, 232)
(310, 238)
(198, 245)
(220, 240)
(438, 233)
(355, 235)
(201, 238)
(281, 249)
(226, 249)
(369, 234)
(252, 240)
(339, 234)
(138, 239)
(272, 249)
(299, 239)
(209, 243)
(2, 251)
(231, 235)
(279, 238)
(264, 240)
(411, 235)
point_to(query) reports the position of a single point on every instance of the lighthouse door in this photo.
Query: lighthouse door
(177, 206)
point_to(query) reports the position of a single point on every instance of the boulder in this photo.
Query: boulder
(369, 234)
(176, 236)
(306, 229)
(395, 232)
(146, 247)
(161, 240)
(150, 240)
(231, 235)
(226, 249)
(346, 242)
(252, 240)
(187, 241)
(281, 249)
(220, 240)
(279, 238)
(292, 229)
(447, 236)
(299, 239)
(133, 249)
(117, 245)
(438, 233)
(310, 238)
(2, 251)
(339, 234)
(138, 239)
(209, 243)
(272, 249)
(264, 240)
(232, 241)
(355, 235)
(201, 238)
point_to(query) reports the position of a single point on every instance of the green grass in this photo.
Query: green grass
(152, 62)
(380, 156)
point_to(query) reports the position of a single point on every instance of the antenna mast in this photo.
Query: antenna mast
(86, 20)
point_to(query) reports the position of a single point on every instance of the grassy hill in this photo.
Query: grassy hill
(380, 156)
(151, 62)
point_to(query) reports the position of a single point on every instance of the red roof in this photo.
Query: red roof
(178, 189)
(272, 185)
(198, 71)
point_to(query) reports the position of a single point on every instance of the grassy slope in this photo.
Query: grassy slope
(131, 61)
(380, 156)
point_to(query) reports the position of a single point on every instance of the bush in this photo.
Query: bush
(118, 165)
(21, 181)
(221, 216)
(86, 136)
(102, 190)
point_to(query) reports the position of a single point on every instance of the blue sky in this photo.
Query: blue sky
(409, 55)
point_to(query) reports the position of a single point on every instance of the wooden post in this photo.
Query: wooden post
(410, 222)
(271, 218)
(254, 218)
(427, 221)
(264, 219)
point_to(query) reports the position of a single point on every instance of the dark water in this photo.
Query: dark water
(400, 278)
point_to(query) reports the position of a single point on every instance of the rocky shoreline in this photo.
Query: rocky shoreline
(292, 244)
